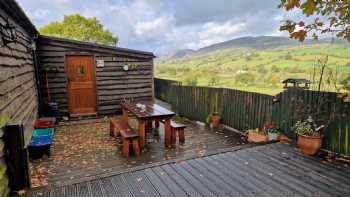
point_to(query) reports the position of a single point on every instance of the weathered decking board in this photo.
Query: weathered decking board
(270, 170)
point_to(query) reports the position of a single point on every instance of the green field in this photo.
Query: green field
(259, 70)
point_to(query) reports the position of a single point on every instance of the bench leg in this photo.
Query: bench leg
(136, 146)
(142, 132)
(126, 146)
(111, 129)
(173, 137)
(148, 125)
(156, 124)
(182, 136)
(167, 133)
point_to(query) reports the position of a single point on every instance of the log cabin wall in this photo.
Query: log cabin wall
(113, 83)
(18, 92)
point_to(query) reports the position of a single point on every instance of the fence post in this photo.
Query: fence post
(16, 157)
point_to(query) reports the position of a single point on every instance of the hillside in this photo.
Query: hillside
(259, 43)
(255, 65)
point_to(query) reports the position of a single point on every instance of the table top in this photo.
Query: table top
(150, 109)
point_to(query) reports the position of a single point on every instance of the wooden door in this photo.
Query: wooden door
(81, 85)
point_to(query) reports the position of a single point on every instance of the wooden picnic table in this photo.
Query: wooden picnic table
(151, 112)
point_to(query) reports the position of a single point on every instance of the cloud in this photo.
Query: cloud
(161, 26)
(214, 32)
(155, 26)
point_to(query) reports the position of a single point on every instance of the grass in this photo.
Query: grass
(258, 70)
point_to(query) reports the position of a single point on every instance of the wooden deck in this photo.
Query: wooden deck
(269, 170)
(83, 150)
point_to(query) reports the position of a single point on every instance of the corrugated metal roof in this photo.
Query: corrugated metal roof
(270, 170)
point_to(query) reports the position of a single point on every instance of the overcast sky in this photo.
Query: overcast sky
(163, 25)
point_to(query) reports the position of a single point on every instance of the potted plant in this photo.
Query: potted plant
(272, 131)
(215, 119)
(273, 134)
(309, 136)
(256, 136)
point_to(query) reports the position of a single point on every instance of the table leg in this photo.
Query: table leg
(167, 132)
(142, 132)
(156, 124)
(125, 115)
(173, 138)
(149, 125)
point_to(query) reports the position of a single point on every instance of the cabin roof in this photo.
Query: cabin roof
(95, 45)
(16, 12)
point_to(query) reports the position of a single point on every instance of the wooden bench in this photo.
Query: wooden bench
(180, 128)
(129, 135)
(175, 126)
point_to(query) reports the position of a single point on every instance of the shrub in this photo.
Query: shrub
(275, 69)
(245, 78)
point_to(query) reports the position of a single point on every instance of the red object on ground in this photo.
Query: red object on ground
(43, 123)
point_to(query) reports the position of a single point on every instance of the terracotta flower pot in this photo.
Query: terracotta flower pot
(309, 145)
(215, 120)
(283, 138)
(256, 137)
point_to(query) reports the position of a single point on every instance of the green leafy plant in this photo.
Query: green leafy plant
(272, 130)
(257, 130)
(304, 128)
(208, 120)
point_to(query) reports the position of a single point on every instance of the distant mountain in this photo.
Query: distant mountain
(179, 54)
(260, 43)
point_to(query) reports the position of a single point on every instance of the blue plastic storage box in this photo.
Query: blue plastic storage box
(43, 132)
(41, 142)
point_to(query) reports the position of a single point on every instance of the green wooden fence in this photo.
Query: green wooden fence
(295, 104)
(243, 110)
(238, 109)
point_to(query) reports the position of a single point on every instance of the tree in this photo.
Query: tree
(80, 28)
(214, 81)
(331, 16)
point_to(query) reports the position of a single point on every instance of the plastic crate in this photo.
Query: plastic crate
(46, 122)
(41, 141)
(43, 132)
(40, 146)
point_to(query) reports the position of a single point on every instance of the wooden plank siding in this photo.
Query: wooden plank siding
(18, 91)
(113, 84)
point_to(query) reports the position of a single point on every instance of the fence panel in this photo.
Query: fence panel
(244, 110)
(297, 104)
(196, 102)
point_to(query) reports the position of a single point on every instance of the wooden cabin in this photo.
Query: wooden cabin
(91, 79)
(82, 78)
(18, 90)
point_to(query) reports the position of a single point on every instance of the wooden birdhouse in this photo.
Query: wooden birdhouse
(296, 83)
